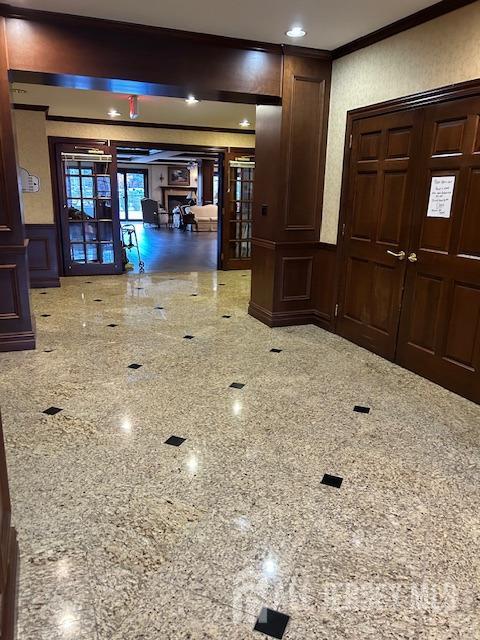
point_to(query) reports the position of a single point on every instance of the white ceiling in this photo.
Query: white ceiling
(329, 23)
(82, 103)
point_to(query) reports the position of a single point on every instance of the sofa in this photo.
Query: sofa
(206, 216)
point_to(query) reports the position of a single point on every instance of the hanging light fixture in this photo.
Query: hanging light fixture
(133, 103)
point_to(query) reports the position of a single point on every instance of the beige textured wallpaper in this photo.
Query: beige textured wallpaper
(33, 156)
(32, 141)
(143, 134)
(443, 51)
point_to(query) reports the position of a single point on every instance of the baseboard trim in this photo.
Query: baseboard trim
(43, 283)
(21, 341)
(288, 318)
(9, 604)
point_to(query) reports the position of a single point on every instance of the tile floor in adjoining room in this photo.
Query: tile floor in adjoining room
(183, 497)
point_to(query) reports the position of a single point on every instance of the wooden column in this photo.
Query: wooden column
(289, 179)
(205, 182)
(16, 330)
(8, 554)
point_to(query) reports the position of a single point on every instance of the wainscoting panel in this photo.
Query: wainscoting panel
(42, 255)
(296, 278)
(16, 331)
(10, 298)
(304, 285)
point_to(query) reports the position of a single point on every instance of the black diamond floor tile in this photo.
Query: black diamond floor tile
(360, 409)
(332, 481)
(226, 316)
(160, 308)
(275, 350)
(188, 337)
(237, 385)
(51, 411)
(175, 441)
(134, 366)
(98, 300)
(45, 315)
(112, 325)
(194, 295)
(271, 623)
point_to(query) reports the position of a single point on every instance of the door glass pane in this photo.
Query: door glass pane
(87, 187)
(92, 252)
(105, 231)
(72, 184)
(108, 256)
(76, 232)
(88, 208)
(135, 192)
(103, 186)
(77, 252)
(74, 209)
(121, 195)
(90, 231)
(104, 209)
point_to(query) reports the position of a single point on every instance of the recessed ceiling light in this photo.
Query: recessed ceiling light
(113, 113)
(296, 32)
(244, 123)
(191, 100)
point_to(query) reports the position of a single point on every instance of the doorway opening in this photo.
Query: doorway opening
(169, 196)
(189, 203)
(132, 189)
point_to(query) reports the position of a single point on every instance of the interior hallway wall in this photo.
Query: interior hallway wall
(32, 140)
(437, 53)
(32, 149)
(158, 177)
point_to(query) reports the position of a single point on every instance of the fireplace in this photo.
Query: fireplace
(175, 201)
(174, 197)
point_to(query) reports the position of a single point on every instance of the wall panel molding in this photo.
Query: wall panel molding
(16, 329)
(42, 255)
(296, 278)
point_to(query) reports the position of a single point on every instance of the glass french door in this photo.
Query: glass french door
(238, 210)
(89, 213)
(132, 187)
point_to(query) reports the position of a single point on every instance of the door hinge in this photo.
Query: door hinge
(221, 257)
(350, 142)
(336, 311)
(343, 229)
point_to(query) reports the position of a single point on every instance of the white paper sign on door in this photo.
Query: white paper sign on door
(441, 196)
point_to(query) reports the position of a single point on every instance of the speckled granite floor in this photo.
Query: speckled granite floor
(124, 537)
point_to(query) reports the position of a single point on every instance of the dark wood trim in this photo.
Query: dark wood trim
(288, 318)
(306, 52)
(455, 91)
(9, 604)
(42, 255)
(31, 107)
(404, 24)
(55, 18)
(147, 125)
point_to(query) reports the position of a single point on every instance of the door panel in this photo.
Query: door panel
(239, 172)
(88, 209)
(440, 326)
(379, 207)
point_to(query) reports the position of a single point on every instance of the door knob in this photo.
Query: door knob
(400, 255)
(413, 257)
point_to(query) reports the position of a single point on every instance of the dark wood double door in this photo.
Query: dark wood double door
(410, 262)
